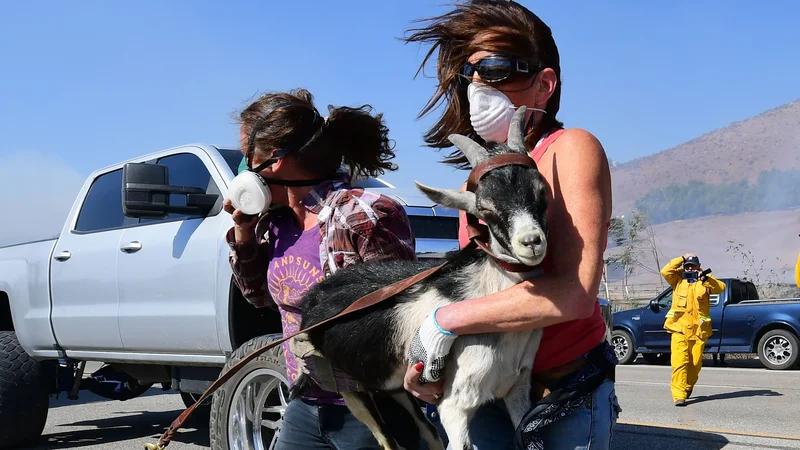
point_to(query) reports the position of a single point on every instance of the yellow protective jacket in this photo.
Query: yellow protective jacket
(797, 271)
(690, 311)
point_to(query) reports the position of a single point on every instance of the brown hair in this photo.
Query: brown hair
(490, 25)
(350, 136)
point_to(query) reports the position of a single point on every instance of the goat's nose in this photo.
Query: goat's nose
(531, 240)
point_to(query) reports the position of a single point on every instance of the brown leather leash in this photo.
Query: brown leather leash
(477, 234)
(362, 303)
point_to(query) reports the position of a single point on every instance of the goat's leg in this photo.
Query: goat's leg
(362, 406)
(455, 417)
(427, 431)
(518, 399)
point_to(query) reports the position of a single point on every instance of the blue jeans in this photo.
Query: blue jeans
(307, 425)
(491, 428)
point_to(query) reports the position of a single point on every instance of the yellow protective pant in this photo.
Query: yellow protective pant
(687, 359)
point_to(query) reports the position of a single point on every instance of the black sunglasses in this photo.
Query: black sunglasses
(497, 68)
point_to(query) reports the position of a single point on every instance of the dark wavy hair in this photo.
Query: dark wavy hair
(490, 25)
(350, 137)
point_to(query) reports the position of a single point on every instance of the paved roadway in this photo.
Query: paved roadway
(732, 408)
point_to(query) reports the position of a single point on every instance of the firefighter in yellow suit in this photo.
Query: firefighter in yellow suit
(797, 271)
(688, 320)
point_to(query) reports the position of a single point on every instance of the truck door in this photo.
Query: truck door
(84, 269)
(736, 326)
(167, 270)
(715, 308)
(654, 336)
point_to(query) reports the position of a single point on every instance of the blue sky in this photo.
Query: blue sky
(90, 83)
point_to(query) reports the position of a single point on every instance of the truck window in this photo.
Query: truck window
(752, 292)
(665, 301)
(233, 158)
(102, 208)
(434, 227)
(184, 169)
(738, 292)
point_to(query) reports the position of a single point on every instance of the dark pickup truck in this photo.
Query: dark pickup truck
(742, 323)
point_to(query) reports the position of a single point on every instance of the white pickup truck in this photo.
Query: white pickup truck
(139, 280)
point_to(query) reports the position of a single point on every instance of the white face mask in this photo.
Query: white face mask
(490, 112)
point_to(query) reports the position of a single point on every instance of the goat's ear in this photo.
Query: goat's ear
(516, 131)
(450, 198)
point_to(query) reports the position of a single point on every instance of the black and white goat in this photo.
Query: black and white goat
(372, 345)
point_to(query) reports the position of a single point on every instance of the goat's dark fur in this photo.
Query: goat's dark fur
(371, 331)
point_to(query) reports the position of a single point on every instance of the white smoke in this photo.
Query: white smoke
(37, 191)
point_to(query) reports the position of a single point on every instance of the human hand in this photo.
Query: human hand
(427, 392)
(430, 346)
(244, 224)
(688, 255)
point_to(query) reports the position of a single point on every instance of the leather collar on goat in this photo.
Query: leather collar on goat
(479, 233)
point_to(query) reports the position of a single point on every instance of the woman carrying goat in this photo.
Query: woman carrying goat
(494, 56)
(321, 224)
(373, 345)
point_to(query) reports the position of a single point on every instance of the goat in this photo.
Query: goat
(371, 345)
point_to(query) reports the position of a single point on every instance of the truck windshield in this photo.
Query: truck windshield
(233, 158)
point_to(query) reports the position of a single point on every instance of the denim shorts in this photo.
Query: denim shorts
(309, 426)
(592, 426)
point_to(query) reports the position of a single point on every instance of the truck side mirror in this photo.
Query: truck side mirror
(146, 193)
(654, 305)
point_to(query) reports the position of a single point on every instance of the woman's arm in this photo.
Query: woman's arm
(248, 257)
(579, 211)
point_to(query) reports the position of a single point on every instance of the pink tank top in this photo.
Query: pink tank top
(566, 341)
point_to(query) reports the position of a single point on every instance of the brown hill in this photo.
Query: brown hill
(770, 140)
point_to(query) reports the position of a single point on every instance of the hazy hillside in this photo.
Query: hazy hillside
(772, 237)
(770, 140)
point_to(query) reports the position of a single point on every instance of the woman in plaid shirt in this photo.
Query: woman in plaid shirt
(316, 230)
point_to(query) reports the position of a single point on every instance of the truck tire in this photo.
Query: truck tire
(778, 349)
(202, 414)
(265, 378)
(622, 342)
(24, 393)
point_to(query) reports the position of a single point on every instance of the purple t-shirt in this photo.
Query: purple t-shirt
(293, 270)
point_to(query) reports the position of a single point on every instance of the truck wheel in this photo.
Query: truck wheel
(778, 349)
(623, 346)
(24, 393)
(202, 414)
(247, 411)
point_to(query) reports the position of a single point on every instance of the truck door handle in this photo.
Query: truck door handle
(131, 247)
(63, 256)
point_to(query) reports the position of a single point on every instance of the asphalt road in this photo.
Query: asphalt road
(732, 408)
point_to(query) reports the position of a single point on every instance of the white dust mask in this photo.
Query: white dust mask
(490, 112)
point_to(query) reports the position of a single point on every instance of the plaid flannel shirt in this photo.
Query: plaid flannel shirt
(355, 226)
